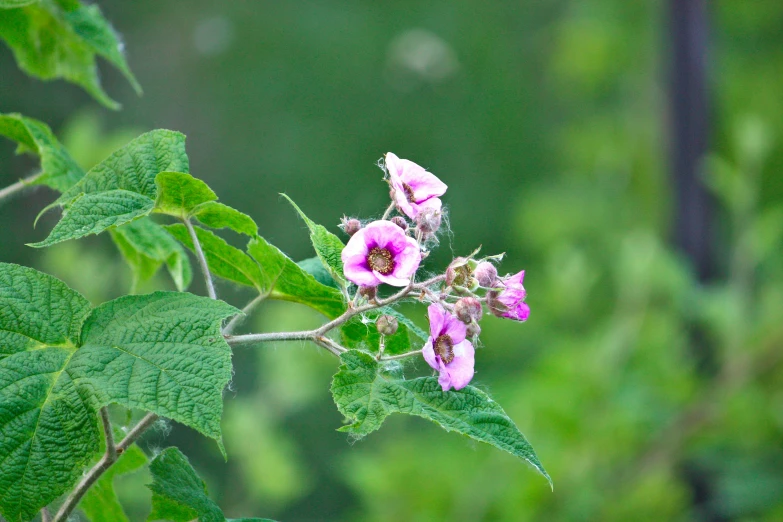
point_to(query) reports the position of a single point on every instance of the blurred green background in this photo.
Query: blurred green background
(647, 395)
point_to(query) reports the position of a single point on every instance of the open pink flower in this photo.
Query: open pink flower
(380, 253)
(510, 301)
(447, 350)
(413, 188)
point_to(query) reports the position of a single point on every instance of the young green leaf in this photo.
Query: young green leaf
(145, 245)
(93, 213)
(327, 245)
(179, 193)
(119, 189)
(224, 260)
(179, 494)
(366, 395)
(161, 352)
(47, 432)
(100, 503)
(53, 40)
(58, 170)
(218, 215)
(290, 283)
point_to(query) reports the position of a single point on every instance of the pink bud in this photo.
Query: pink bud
(428, 221)
(468, 309)
(368, 292)
(350, 226)
(486, 273)
(400, 222)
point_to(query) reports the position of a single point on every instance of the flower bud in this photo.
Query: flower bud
(368, 292)
(486, 274)
(400, 222)
(386, 325)
(428, 221)
(473, 330)
(350, 226)
(468, 309)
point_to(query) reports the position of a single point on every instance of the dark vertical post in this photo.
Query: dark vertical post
(688, 134)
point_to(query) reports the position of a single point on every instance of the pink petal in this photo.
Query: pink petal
(424, 184)
(407, 261)
(429, 354)
(519, 313)
(437, 315)
(354, 257)
(391, 279)
(393, 166)
(444, 379)
(384, 234)
(516, 279)
(461, 368)
(454, 328)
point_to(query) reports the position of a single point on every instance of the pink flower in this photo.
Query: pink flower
(510, 301)
(447, 350)
(380, 253)
(413, 188)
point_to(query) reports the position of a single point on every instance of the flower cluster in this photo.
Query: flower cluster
(390, 251)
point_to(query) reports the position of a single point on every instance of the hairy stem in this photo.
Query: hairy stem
(108, 433)
(237, 319)
(45, 515)
(10, 190)
(399, 356)
(202, 260)
(388, 211)
(109, 458)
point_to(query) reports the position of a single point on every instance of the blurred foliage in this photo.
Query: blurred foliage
(647, 395)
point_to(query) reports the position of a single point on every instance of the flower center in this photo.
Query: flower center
(444, 348)
(408, 192)
(380, 260)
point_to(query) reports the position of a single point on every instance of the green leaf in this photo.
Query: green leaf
(100, 503)
(123, 186)
(327, 245)
(162, 352)
(315, 268)
(360, 332)
(93, 213)
(218, 215)
(179, 193)
(145, 245)
(51, 40)
(366, 395)
(290, 283)
(58, 170)
(47, 432)
(179, 494)
(223, 260)
(90, 25)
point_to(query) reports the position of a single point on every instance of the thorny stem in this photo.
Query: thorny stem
(201, 259)
(10, 190)
(249, 307)
(109, 458)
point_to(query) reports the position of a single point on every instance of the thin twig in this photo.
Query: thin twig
(101, 466)
(234, 322)
(10, 190)
(201, 259)
(45, 515)
(400, 356)
(111, 449)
